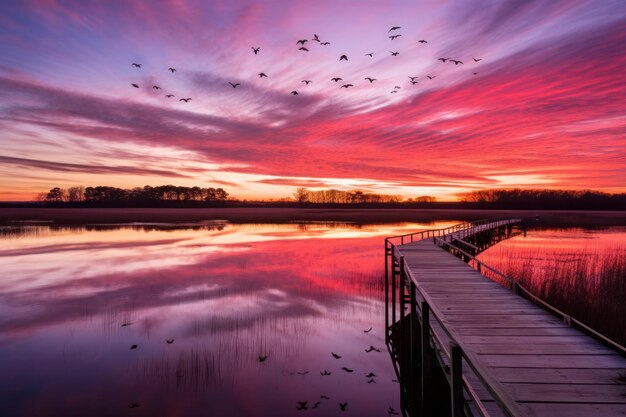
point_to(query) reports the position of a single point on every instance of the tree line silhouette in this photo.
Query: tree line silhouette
(545, 199)
(107, 194)
(332, 196)
(179, 196)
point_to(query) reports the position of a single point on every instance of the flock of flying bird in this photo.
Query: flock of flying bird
(304, 405)
(392, 34)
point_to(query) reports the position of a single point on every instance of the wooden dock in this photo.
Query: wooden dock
(501, 353)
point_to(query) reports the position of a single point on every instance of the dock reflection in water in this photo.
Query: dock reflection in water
(225, 293)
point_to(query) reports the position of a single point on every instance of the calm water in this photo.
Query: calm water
(225, 293)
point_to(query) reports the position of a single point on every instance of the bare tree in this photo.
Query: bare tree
(301, 195)
(76, 194)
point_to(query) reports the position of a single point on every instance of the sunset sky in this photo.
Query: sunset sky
(546, 109)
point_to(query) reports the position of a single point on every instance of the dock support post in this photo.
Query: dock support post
(414, 384)
(425, 360)
(386, 291)
(456, 378)
(393, 289)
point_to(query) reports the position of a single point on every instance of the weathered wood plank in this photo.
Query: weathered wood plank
(609, 376)
(568, 393)
(554, 361)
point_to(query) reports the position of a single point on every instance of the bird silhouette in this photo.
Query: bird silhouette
(370, 375)
(325, 43)
(294, 93)
(302, 405)
(169, 341)
(156, 87)
(186, 100)
(133, 347)
(343, 58)
(396, 87)
(262, 74)
(413, 78)
(347, 369)
(325, 373)
(394, 28)
(392, 411)
(307, 82)
(169, 95)
(394, 91)
(135, 85)
(317, 404)
(371, 381)
(324, 397)
(372, 349)
(431, 77)
(456, 62)
(422, 41)
(234, 85)
(371, 80)
(336, 356)
(133, 405)
(475, 73)
(302, 41)
(371, 54)
(126, 324)
(302, 48)
(316, 38)
(337, 79)
(442, 59)
(347, 86)
(394, 53)
(172, 70)
(136, 65)
(343, 406)
(303, 373)
(477, 59)
(414, 82)
(392, 37)
(263, 358)
(255, 50)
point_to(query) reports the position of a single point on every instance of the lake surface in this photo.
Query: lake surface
(227, 294)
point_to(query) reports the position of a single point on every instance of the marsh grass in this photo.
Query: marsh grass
(586, 284)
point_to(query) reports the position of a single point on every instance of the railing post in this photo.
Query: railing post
(456, 378)
(425, 360)
(402, 339)
(401, 298)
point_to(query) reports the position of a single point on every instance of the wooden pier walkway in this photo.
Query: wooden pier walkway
(502, 354)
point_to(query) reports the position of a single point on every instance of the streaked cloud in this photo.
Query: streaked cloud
(544, 109)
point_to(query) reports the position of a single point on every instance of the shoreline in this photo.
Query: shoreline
(281, 215)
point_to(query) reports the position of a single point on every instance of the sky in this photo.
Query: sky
(544, 107)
